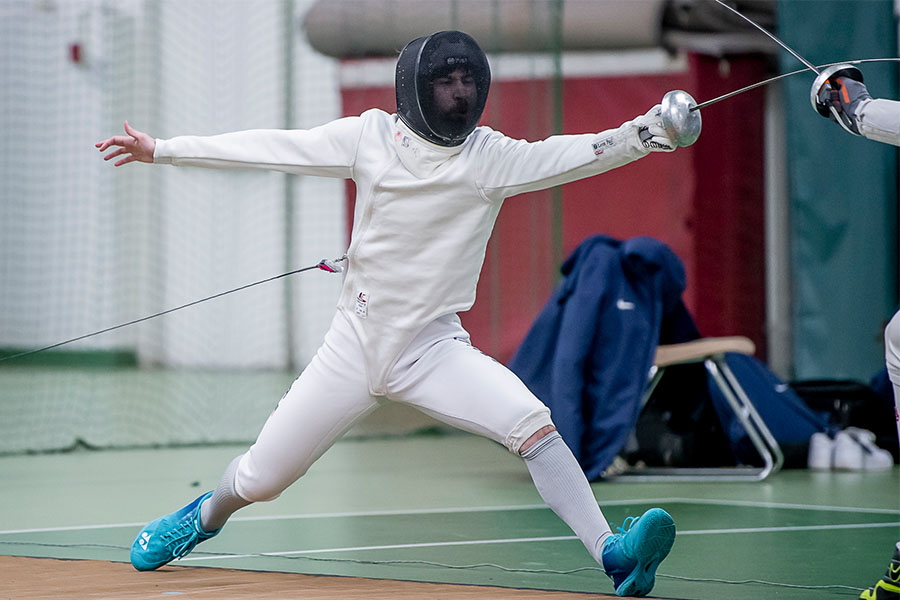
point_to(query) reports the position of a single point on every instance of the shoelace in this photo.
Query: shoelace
(627, 525)
(183, 537)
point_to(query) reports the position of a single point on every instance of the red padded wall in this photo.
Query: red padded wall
(729, 231)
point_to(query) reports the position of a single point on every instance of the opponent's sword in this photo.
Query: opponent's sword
(821, 76)
(808, 64)
(824, 69)
(681, 113)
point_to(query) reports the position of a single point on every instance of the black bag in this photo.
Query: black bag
(679, 427)
(847, 403)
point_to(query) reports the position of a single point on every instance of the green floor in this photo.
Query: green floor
(453, 505)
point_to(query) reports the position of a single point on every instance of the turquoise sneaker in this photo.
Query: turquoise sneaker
(169, 537)
(630, 558)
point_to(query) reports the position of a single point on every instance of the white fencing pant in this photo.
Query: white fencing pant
(892, 358)
(440, 373)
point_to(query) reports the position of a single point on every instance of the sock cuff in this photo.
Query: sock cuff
(541, 445)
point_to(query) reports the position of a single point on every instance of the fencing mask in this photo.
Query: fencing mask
(442, 85)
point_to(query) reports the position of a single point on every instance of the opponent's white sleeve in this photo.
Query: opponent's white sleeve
(508, 167)
(892, 360)
(328, 150)
(879, 120)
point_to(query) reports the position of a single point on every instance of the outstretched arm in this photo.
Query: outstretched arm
(328, 150)
(515, 166)
(877, 119)
(137, 145)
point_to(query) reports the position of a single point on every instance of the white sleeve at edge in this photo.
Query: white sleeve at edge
(879, 120)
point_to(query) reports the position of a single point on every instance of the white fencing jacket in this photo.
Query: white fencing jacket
(424, 212)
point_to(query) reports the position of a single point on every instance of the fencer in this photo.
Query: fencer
(430, 184)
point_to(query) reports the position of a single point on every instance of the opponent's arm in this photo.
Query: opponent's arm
(328, 150)
(876, 119)
(510, 167)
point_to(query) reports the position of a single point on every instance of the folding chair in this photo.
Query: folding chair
(711, 352)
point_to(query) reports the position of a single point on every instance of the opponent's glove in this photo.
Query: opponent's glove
(844, 94)
(651, 131)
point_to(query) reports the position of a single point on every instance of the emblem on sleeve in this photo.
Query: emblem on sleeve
(602, 145)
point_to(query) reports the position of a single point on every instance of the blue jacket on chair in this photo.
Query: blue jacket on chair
(588, 354)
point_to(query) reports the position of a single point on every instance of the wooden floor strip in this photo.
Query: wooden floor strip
(45, 578)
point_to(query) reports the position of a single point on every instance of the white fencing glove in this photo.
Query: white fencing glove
(651, 132)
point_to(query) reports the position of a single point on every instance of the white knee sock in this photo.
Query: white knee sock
(563, 486)
(223, 503)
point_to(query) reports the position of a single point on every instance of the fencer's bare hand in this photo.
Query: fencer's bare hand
(137, 145)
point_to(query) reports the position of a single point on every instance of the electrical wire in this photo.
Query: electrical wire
(473, 566)
(329, 266)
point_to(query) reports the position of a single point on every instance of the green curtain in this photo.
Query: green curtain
(843, 194)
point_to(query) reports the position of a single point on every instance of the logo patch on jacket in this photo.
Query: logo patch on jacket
(623, 304)
(362, 305)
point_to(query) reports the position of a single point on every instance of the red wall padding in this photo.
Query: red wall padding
(729, 232)
(705, 201)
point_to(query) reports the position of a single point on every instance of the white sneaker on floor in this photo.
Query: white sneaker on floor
(874, 458)
(848, 453)
(821, 452)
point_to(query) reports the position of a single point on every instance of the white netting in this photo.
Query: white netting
(84, 246)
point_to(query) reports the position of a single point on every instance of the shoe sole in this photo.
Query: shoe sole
(653, 541)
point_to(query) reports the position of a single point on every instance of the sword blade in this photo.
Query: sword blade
(783, 75)
(808, 64)
(746, 89)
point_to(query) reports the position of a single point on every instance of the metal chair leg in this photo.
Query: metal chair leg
(737, 399)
